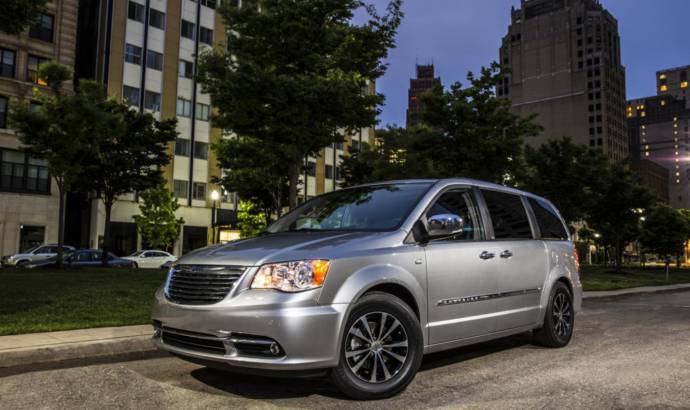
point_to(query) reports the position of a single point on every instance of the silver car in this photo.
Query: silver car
(362, 282)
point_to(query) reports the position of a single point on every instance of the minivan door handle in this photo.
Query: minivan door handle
(506, 254)
(486, 255)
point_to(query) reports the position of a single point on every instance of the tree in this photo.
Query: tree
(621, 203)
(466, 132)
(250, 220)
(569, 174)
(294, 73)
(18, 14)
(254, 171)
(59, 131)
(157, 223)
(665, 231)
(127, 156)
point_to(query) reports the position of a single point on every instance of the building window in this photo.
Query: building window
(3, 112)
(199, 191)
(135, 11)
(130, 95)
(311, 168)
(184, 108)
(206, 35)
(180, 188)
(157, 19)
(32, 66)
(186, 69)
(132, 54)
(329, 171)
(43, 28)
(187, 29)
(182, 147)
(152, 100)
(200, 150)
(31, 236)
(154, 60)
(202, 111)
(209, 3)
(7, 62)
(21, 173)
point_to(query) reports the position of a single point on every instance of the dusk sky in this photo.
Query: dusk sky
(462, 35)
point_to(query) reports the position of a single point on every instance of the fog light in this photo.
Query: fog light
(275, 349)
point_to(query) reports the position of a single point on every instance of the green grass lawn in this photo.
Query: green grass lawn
(606, 278)
(43, 300)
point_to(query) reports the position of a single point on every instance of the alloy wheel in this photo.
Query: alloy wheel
(562, 315)
(376, 347)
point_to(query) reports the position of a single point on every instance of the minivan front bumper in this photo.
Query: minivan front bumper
(305, 333)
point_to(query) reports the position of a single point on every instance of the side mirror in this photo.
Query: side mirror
(444, 225)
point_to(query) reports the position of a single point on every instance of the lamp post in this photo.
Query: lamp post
(214, 197)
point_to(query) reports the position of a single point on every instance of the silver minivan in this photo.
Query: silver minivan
(360, 283)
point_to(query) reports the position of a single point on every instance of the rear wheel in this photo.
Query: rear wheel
(381, 349)
(558, 319)
(22, 264)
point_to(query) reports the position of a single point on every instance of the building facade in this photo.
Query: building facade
(425, 81)
(28, 195)
(562, 62)
(674, 81)
(658, 132)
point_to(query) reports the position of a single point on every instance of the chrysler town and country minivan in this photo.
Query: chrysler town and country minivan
(362, 282)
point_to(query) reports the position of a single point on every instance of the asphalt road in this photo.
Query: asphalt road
(627, 352)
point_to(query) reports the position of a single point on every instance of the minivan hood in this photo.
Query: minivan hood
(284, 246)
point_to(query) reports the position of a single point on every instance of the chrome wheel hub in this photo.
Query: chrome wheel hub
(376, 347)
(562, 315)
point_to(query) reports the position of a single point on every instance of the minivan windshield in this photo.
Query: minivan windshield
(367, 208)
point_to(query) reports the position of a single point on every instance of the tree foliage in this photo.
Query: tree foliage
(294, 73)
(157, 223)
(18, 14)
(60, 131)
(255, 171)
(665, 231)
(250, 219)
(466, 132)
(568, 174)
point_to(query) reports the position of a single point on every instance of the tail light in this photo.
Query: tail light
(576, 256)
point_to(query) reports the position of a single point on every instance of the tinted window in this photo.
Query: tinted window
(157, 19)
(508, 215)
(549, 223)
(187, 29)
(154, 60)
(43, 250)
(7, 62)
(135, 11)
(132, 54)
(43, 28)
(459, 202)
(369, 208)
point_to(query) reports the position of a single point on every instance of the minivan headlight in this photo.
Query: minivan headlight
(293, 276)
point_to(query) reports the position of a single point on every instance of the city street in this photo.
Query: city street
(627, 352)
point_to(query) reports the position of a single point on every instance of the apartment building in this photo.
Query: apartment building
(674, 81)
(145, 52)
(562, 62)
(28, 195)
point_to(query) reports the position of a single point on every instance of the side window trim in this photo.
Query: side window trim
(536, 232)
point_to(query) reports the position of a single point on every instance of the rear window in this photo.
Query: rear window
(549, 223)
(508, 215)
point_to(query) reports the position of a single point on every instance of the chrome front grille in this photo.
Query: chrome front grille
(201, 284)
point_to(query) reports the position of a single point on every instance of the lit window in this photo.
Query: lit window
(662, 77)
(643, 114)
(663, 102)
(684, 84)
(663, 88)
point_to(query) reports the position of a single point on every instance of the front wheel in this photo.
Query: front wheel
(559, 318)
(381, 350)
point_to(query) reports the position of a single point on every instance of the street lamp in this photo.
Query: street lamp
(214, 197)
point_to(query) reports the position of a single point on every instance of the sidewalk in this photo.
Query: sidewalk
(135, 341)
(35, 348)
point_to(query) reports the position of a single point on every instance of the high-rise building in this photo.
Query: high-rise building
(674, 81)
(562, 62)
(424, 82)
(28, 195)
(658, 132)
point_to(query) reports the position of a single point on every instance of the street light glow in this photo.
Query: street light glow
(215, 195)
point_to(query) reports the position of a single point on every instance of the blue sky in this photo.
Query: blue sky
(462, 35)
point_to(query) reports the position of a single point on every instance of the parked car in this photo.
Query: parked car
(35, 254)
(364, 281)
(150, 258)
(83, 257)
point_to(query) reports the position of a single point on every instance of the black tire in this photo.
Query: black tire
(395, 374)
(559, 318)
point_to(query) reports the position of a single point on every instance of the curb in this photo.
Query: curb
(635, 291)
